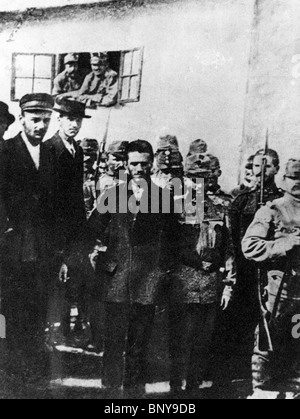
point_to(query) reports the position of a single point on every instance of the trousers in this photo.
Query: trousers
(283, 365)
(191, 331)
(128, 331)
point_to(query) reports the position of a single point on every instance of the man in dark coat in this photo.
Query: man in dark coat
(6, 119)
(27, 186)
(69, 200)
(132, 260)
(243, 211)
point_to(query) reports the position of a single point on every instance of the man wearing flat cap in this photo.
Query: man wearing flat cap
(70, 80)
(115, 166)
(6, 119)
(273, 240)
(203, 276)
(100, 87)
(27, 187)
(69, 203)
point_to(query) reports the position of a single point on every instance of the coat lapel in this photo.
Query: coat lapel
(24, 155)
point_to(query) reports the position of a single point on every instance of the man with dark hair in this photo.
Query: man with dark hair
(273, 241)
(100, 87)
(243, 211)
(27, 187)
(131, 259)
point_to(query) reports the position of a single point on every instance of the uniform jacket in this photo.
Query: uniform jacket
(203, 251)
(100, 90)
(242, 213)
(133, 270)
(69, 200)
(28, 196)
(268, 240)
(64, 84)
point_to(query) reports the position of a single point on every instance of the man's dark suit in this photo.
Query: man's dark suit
(27, 194)
(71, 221)
(69, 203)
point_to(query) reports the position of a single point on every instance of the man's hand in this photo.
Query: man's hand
(63, 274)
(293, 241)
(225, 301)
(94, 259)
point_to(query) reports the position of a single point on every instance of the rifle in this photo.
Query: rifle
(264, 333)
(102, 145)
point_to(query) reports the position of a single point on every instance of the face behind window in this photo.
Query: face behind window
(99, 69)
(36, 125)
(71, 69)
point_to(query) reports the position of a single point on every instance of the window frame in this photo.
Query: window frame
(33, 78)
(131, 75)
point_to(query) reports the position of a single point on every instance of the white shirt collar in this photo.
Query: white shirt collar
(70, 147)
(34, 151)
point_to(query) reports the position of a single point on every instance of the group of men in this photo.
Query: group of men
(98, 88)
(202, 257)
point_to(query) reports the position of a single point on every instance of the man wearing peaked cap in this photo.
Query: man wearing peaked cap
(115, 165)
(70, 80)
(168, 161)
(168, 142)
(6, 119)
(27, 188)
(100, 87)
(198, 147)
(274, 237)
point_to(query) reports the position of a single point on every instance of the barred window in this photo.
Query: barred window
(131, 75)
(32, 73)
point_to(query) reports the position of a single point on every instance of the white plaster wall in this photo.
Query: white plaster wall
(194, 78)
(273, 100)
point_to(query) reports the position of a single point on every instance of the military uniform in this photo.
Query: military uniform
(63, 83)
(246, 305)
(204, 259)
(90, 150)
(168, 161)
(268, 242)
(111, 178)
(100, 90)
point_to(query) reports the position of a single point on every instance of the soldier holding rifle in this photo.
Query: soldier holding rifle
(274, 237)
(243, 211)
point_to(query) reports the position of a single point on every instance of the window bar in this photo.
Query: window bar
(130, 78)
(34, 56)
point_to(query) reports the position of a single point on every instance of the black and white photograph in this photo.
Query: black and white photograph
(150, 202)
